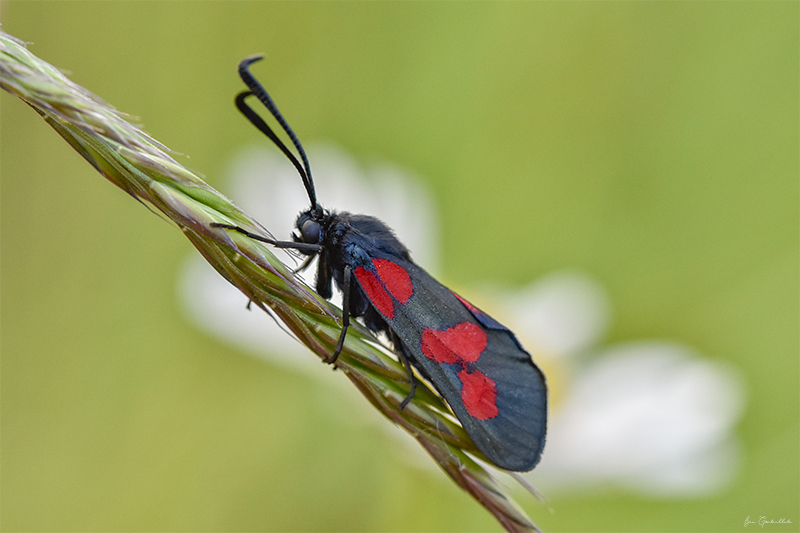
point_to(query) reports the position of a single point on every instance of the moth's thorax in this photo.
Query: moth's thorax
(335, 231)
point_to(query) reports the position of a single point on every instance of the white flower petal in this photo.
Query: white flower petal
(648, 416)
(564, 312)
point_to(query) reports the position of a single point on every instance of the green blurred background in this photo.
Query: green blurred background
(651, 145)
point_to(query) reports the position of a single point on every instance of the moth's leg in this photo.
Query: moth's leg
(345, 314)
(301, 246)
(411, 377)
(278, 244)
(304, 266)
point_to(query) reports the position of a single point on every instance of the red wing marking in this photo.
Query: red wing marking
(464, 343)
(395, 278)
(390, 277)
(468, 305)
(478, 394)
(435, 349)
(375, 292)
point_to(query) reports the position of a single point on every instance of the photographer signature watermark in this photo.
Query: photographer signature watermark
(762, 521)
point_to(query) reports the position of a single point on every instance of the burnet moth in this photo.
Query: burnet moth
(490, 382)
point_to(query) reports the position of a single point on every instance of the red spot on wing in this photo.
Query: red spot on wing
(464, 343)
(388, 279)
(435, 349)
(375, 292)
(395, 278)
(478, 394)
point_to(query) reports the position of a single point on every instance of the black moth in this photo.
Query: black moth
(478, 366)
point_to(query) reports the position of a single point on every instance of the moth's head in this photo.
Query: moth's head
(310, 226)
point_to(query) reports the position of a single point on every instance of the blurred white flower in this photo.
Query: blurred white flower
(651, 417)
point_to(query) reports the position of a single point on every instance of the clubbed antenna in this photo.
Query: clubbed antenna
(259, 92)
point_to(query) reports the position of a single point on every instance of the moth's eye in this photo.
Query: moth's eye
(311, 232)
